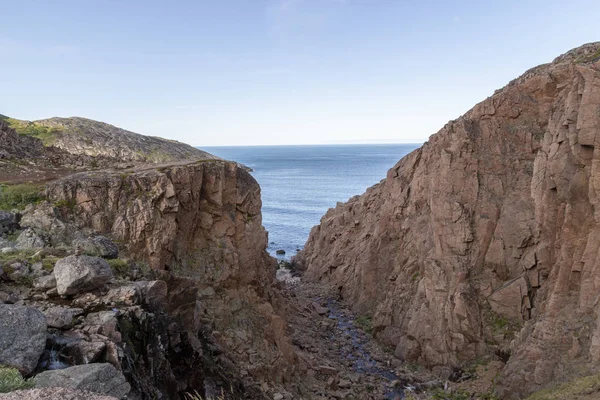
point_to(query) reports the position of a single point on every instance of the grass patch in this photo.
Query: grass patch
(364, 323)
(119, 266)
(46, 134)
(66, 204)
(11, 379)
(440, 394)
(20, 196)
(588, 386)
(589, 58)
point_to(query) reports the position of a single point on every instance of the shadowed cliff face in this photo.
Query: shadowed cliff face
(490, 225)
(200, 222)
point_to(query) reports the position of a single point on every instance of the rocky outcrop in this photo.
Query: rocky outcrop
(199, 226)
(22, 337)
(487, 233)
(84, 136)
(101, 378)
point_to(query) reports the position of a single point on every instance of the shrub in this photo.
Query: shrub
(11, 379)
(364, 323)
(20, 195)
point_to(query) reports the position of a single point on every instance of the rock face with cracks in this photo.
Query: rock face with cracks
(200, 222)
(492, 222)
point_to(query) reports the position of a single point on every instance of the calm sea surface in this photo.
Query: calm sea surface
(299, 183)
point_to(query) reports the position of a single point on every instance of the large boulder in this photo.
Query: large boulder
(99, 246)
(102, 378)
(76, 274)
(54, 393)
(22, 337)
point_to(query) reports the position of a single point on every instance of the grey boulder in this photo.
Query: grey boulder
(102, 378)
(97, 246)
(22, 337)
(29, 239)
(76, 274)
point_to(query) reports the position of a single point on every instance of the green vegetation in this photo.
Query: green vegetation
(589, 58)
(46, 134)
(11, 379)
(415, 277)
(19, 196)
(119, 266)
(440, 394)
(588, 387)
(364, 323)
(66, 204)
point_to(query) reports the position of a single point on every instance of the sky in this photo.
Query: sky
(270, 72)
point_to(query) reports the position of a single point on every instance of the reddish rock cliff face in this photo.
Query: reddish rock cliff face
(492, 221)
(200, 222)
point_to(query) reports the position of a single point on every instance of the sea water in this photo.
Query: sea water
(300, 183)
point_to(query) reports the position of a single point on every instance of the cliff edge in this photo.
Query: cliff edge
(485, 240)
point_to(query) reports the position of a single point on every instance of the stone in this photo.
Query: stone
(100, 378)
(319, 309)
(280, 252)
(53, 393)
(327, 370)
(22, 337)
(8, 223)
(61, 317)
(29, 239)
(84, 352)
(99, 246)
(44, 283)
(76, 274)
(344, 384)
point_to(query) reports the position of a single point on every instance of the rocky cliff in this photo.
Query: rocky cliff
(200, 225)
(486, 238)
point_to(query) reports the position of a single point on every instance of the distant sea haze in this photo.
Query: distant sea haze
(300, 183)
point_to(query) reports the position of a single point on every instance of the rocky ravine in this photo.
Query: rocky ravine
(485, 239)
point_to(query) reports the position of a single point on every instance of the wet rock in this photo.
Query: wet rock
(22, 337)
(76, 274)
(84, 352)
(99, 246)
(280, 252)
(100, 378)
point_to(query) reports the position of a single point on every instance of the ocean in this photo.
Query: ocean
(300, 183)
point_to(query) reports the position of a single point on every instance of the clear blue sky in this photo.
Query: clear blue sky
(235, 72)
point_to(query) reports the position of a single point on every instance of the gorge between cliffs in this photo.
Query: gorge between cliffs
(136, 267)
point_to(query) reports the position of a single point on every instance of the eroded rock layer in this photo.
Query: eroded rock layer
(490, 225)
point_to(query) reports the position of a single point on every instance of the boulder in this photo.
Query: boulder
(76, 274)
(44, 283)
(99, 246)
(61, 317)
(55, 393)
(100, 378)
(8, 222)
(22, 337)
(29, 239)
